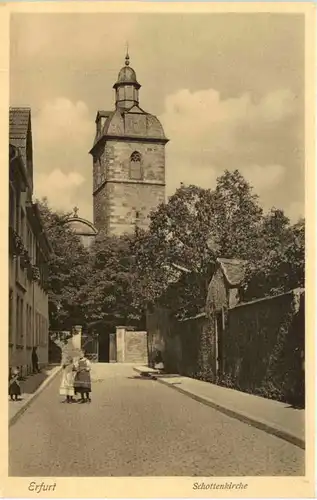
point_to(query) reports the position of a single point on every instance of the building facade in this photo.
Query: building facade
(28, 252)
(128, 161)
(224, 291)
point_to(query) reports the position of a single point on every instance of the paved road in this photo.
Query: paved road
(138, 427)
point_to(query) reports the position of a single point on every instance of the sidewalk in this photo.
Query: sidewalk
(273, 417)
(31, 388)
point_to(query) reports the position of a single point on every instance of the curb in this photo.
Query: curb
(32, 398)
(238, 415)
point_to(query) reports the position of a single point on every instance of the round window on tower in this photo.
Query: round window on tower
(136, 166)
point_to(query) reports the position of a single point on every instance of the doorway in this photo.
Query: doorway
(103, 348)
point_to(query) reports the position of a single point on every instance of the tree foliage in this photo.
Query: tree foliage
(194, 228)
(68, 268)
(109, 291)
(172, 262)
(281, 266)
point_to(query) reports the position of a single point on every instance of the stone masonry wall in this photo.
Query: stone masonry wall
(136, 348)
(117, 201)
(180, 342)
(116, 160)
(264, 344)
(126, 199)
(131, 346)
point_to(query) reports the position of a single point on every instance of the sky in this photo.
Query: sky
(227, 88)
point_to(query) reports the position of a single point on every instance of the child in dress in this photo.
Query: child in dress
(67, 384)
(14, 385)
(83, 380)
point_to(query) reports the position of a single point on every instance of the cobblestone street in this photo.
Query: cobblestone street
(138, 427)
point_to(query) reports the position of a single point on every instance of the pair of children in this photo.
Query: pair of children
(14, 384)
(76, 379)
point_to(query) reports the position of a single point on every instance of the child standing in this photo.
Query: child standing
(14, 385)
(83, 380)
(67, 384)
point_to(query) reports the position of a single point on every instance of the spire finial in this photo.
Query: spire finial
(127, 57)
(76, 211)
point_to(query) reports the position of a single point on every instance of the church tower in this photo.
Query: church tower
(128, 161)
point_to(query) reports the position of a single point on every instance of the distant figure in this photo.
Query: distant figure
(14, 385)
(35, 361)
(67, 384)
(158, 361)
(82, 382)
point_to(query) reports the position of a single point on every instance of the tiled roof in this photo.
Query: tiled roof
(233, 269)
(104, 114)
(19, 120)
(18, 124)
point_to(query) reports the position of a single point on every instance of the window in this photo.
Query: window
(29, 326)
(129, 93)
(19, 321)
(22, 229)
(30, 244)
(17, 213)
(10, 315)
(11, 207)
(37, 336)
(135, 166)
(41, 330)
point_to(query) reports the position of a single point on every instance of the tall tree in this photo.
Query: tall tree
(68, 269)
(109, 289)
(236, 217)
(281, 266)
(194, 228)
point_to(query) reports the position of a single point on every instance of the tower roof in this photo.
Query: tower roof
(127, 121)
(20, 128)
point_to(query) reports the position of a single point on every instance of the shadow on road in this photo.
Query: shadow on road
(139, 377)
(33, 382)
(296, 406)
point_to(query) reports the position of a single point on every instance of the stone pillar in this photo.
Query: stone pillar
(76, 339)
(120, 340)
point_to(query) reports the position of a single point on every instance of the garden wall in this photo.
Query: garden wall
(263, 346)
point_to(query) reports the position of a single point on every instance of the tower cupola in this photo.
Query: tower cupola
(127, 87)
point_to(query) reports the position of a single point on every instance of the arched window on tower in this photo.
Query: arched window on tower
(135, 166)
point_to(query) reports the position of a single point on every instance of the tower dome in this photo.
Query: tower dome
(126, 87)
(83, 228)
(127, 75)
